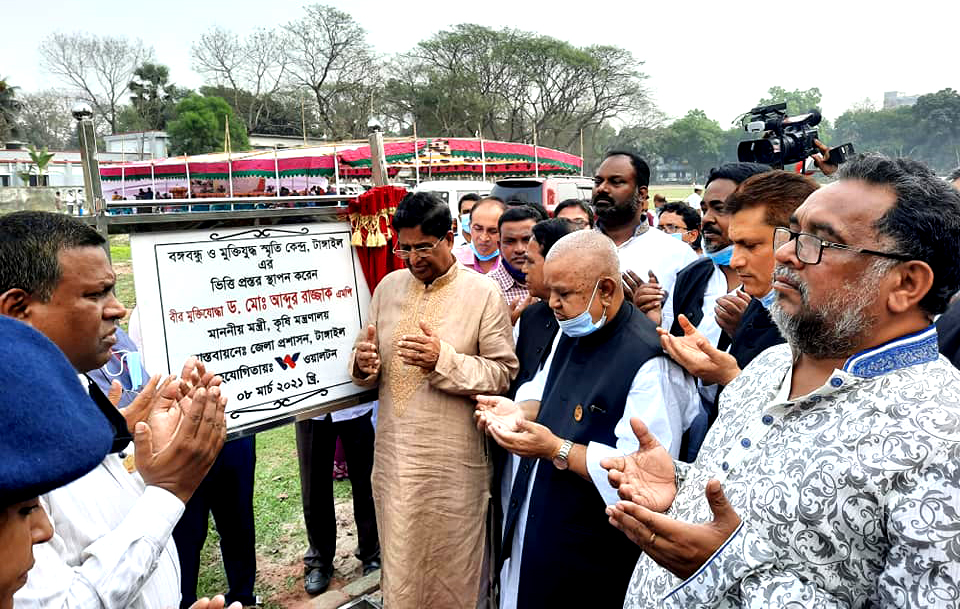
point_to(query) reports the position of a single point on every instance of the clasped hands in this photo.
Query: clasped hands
(178, 427)
(503, 420)
(646, 483)
(421, 350)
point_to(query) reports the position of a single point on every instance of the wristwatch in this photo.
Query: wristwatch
(560, 459)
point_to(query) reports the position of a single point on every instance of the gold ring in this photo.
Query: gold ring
(652, 538)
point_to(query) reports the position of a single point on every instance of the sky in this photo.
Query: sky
(719, 56)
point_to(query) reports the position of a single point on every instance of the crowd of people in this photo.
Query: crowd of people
(737, 400)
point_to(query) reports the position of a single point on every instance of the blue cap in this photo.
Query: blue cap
(51, 432)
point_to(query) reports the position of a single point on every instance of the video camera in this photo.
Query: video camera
(785, 139)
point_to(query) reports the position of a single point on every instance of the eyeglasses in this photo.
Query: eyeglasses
(673, 228)
(578, 222)
(809, 248)
(404, 254)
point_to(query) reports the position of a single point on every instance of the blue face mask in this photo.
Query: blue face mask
(480, 257)
(465, 223)
(678, 236)
(768, 299)
(722, 258)
(583, 324)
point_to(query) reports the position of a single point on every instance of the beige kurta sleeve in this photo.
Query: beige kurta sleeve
(372, 317)
(495, 365)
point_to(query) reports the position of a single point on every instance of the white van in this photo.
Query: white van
(451, 191)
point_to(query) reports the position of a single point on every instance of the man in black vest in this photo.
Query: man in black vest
(558, 549)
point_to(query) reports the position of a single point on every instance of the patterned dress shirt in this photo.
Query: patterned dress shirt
(509, 287)
(848, 495)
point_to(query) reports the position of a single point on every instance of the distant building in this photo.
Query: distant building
(64, 168)
(896, 99)
(138, 145)
(670, 172)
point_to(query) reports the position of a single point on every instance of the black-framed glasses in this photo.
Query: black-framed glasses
(419, 251)
(809, 248)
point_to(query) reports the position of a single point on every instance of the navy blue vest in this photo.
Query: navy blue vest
(572, 556)
(538, 328)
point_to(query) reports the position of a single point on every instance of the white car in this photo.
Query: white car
(451, 191)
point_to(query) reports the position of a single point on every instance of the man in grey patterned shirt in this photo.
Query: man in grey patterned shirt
(839, 453)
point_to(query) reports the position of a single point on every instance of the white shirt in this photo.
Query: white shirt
(657, 388)
(715, 288)
(654, 250)
(112, 545)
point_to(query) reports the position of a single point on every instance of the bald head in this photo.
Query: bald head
(582, 272)
(588, 253)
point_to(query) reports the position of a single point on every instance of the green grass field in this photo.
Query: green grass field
(672, 192)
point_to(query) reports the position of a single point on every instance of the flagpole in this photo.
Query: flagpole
(581, 152)
(276, 172)
(226, 141)
(483, 155)
(336, 169)
(186, 163)
(536, 159)
(123, 171)
(416, 153)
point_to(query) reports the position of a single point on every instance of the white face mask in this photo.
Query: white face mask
(583, 324)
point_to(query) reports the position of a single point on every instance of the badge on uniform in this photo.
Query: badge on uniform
(578, 413)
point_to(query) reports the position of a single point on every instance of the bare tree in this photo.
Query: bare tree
(98, 68)
(255, 68)
(328, 53)
(45, 119)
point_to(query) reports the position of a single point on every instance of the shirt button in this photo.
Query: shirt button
(724, 466)
(745, 442)
(767, 419)
(836, 381)
(513, 503)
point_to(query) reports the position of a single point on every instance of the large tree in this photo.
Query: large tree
(200, 127)
(327, 53)
(508, 83)
(97, 68)
(247, 72)
(45, 120)
(9, 109)
(152, 98)
(695, 139)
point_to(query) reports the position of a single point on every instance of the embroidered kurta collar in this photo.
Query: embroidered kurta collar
(442, 280)
(910, 350)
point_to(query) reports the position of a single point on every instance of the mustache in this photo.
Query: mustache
(712, 229)
(788, 275)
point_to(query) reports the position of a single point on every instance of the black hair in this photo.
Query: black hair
(535, 205)
(640, 167)
(548, 232)
(516, 213)
(578, 203)
(924, 221)
(954, 175)
(426, 210)
(30, 246)
(736, 172)
(470, 196)
(484, 200)
(690, 216)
